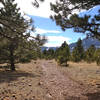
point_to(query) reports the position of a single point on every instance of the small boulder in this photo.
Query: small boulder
(29, 84)
(48, 96)
(40, 83)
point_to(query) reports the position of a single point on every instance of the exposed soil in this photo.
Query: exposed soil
(23, 84)
(61, 86)
(44, 80)
(84, 72)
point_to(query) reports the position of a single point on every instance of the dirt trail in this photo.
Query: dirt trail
(23, 84)
(60, 86)
(42, 80)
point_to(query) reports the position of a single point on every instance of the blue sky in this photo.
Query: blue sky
(55, 35)
(45, 26)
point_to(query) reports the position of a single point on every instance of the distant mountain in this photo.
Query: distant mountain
(87, 42)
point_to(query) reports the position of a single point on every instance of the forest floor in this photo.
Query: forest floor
(45, 80)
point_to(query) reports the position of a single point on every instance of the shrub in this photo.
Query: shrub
(63, 54)
(97, 56)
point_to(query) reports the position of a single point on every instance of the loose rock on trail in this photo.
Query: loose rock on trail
(43, 80)
(61, 86)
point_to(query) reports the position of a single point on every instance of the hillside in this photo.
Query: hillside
(87, 42)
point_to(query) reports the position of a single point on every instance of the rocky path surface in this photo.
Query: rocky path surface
(42, 80)
(23, 84)
(60, 86)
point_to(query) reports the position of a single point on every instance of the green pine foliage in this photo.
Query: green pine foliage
(90, 54)
(65, 8)
(4, 50)
(63, 54)
(16, 43)
(75, 55)
(78, 52)
(97, 56)
(48, 54)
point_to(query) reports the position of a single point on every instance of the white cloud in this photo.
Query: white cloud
(43, 10)
(43, 31)
(1, 25)
(56, 41)
(26, 17)
(1, 5)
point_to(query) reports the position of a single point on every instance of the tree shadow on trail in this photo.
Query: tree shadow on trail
(72, 98)
(9, 76)
(90, 96)
(93, 96)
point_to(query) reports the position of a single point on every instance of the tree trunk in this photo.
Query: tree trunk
(12, 64)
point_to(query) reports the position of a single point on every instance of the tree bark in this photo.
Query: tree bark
(12, 64)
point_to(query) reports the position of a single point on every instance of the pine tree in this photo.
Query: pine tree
(63, 54)
(65, 8)
(49, 54)
(75, 55)
(90, 54)
(15, 33)
(3, 50)
(78, 52)
(97, 56)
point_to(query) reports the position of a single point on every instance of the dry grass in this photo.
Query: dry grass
(23, 84)
(87, 73)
